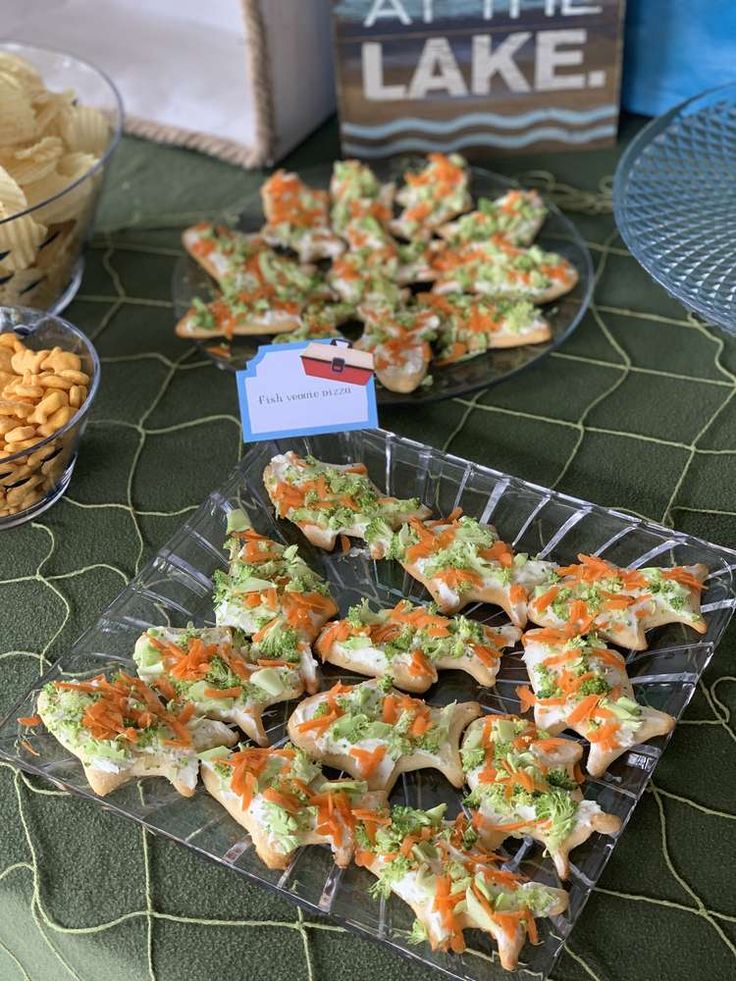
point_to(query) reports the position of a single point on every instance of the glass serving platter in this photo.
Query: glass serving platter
(558, 234)
(674, 197)
(175, 588)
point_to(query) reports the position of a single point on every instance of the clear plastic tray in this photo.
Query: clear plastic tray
(176, 586)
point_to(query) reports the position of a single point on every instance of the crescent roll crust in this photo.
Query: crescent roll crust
(376, 733)
(525, 783)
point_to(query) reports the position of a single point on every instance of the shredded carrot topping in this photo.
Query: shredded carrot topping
(115, 711)
(368, 760)
(526, 697)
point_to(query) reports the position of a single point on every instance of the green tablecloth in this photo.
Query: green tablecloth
(635, 412)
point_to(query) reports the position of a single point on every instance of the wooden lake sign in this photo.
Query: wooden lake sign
(477, 75)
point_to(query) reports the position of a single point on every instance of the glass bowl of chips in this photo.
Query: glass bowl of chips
(49, 374)
(60, 121)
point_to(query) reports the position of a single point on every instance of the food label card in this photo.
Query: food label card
(302, 389)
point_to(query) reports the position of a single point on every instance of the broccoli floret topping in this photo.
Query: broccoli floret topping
(560, 809)
(219, 675)
(222, 585)
(594, 686)
(223, 771)
(406, 821)
(418, 933)
(279, 643)
(472, 758)
(361, 838)
(390, 874)
(559, 777)
(546, 686)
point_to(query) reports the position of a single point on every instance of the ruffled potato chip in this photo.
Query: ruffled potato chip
(23, 70)
(21, 287)
(12, 197)
(37, 286)
(17, 119)
(84, 128)
(61, 244)
(20, 239)
(49, 106)
(61, 207)
(33, 163)
(48, 145)
(77, 164)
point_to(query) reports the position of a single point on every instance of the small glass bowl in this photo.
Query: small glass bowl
(35, 477)
(48, 274)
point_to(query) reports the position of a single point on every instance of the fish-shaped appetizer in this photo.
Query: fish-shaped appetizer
(327, 500)
(263, 292)
(451, 884)
(581, 684)
(367, 229)
(222, 678)
(120, 729)
(526, 783)
(410, 644)
(432, 196)
(355, 189)
(416, 261)
(621, 605)
(242, 314)
(367, 276)
(239, 262)
(318, 320)
(472, 325)
(284, 801)
(361, 205)
(461, 561)
(221, 250)
(297, 218)
(376, 733)
(399, 340)
(497, 269)
(269, 592)
(517, 215)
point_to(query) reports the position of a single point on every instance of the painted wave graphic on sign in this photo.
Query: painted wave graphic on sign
(504, 140)
(486, 119)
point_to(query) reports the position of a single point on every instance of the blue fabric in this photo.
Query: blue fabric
(675, 49)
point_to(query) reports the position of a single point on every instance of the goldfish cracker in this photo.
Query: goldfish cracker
(77, 395)
(74, 376)
(48, 379)
(20, 433)
(21, 444)
(22, 389)
(26, 360)
(12, 407)
(40, 393)
(60, 418)
(60, 361)
(8, 340)
(49, 404)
